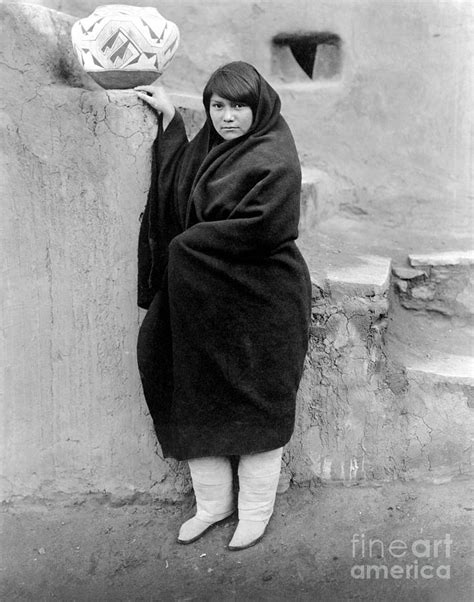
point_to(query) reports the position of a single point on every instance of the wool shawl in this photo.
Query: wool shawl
(222, 347)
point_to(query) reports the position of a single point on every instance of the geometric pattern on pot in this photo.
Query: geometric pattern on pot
(123, 46)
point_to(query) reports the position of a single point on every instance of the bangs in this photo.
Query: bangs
(231, 85)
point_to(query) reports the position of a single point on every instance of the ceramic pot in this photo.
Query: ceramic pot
(122, 46)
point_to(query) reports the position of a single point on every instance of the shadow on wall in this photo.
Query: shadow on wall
(29, 32)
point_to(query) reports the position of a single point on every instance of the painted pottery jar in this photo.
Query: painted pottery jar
(122, 46)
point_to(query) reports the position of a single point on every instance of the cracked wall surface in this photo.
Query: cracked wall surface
(360, 415)
(343, 403)
(438, 428)
(75, 174)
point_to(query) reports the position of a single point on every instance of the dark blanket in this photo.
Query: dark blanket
(222, 346)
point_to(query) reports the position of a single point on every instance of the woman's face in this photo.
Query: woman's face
(230, 118)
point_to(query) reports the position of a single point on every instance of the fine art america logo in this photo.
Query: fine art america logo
(398, 559)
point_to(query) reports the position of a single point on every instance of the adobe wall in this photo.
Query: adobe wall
(396, 121)
(75, 172)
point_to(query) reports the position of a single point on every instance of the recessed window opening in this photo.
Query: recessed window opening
(307, 55)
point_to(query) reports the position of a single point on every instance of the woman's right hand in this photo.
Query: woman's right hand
(157, 97)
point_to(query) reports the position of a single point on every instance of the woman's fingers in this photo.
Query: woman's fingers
(156, 97)
(159, 100)
(146, 97)
(150, 94)
(149, 89)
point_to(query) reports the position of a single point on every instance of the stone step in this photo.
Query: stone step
(438, 282)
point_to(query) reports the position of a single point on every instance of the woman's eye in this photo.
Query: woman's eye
(216, 105)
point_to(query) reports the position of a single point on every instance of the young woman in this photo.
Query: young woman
(228, 294)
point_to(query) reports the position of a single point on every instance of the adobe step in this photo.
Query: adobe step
(375, 404)
(318, 190)
(431, 369)
(438, 404)
(438, 282)
(445, 369)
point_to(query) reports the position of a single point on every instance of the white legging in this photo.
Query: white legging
(258, 482)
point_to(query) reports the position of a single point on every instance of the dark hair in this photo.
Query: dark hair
(236, 81)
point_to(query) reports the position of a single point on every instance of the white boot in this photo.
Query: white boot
(258, 481)
(212, 484)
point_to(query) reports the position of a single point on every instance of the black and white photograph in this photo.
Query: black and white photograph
(237, 301)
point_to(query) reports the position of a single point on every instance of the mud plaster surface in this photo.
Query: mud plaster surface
(72, 217)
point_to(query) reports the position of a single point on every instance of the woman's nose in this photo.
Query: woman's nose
(228, 114)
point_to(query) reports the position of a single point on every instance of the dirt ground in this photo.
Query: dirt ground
(322, 544)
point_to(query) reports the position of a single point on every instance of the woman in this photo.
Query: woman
(222, 347)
